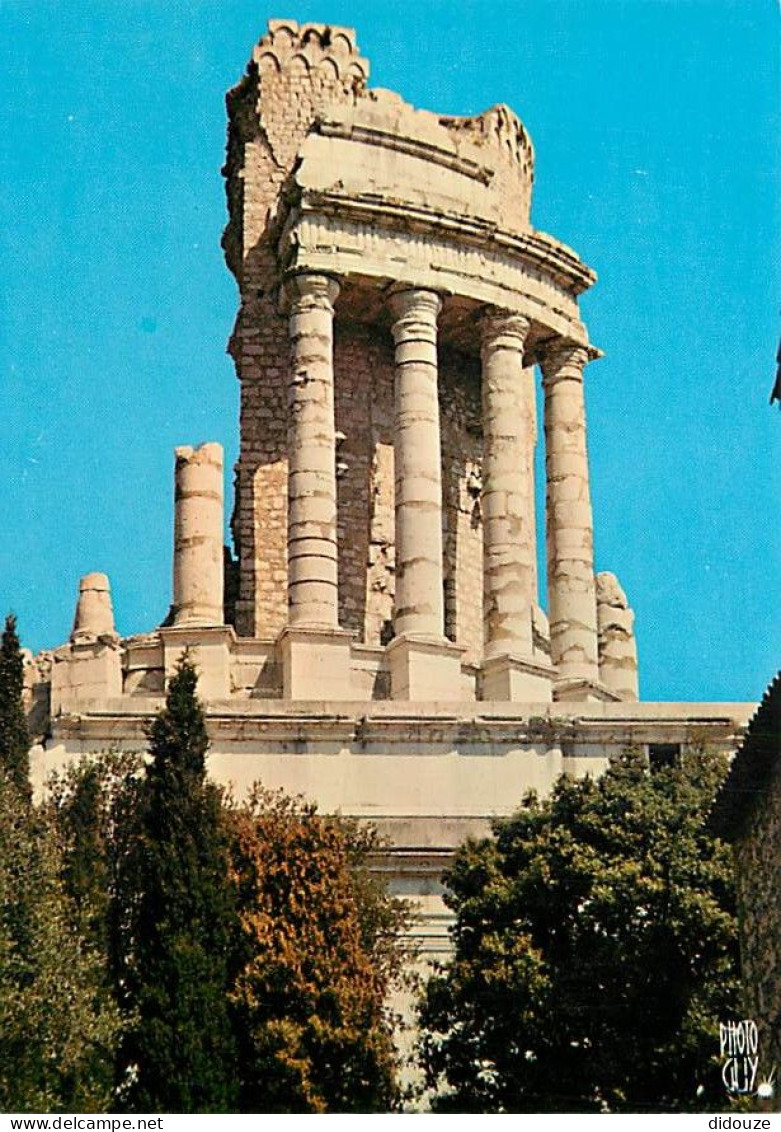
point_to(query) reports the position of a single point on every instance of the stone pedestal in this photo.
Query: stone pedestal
(517, 679)
(424, 670)
(571, 594)
(86, 672)
(311, 531)
(419, 600)
(209, 650)
(198, 536)
(315, 663)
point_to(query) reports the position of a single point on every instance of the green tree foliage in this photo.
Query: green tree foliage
(14, 737)
(58, 1023)
(173, 921)
(320, 948)
(595, 951)
(93, 803)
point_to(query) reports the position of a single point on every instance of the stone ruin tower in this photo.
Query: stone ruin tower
(379, 645)
(395, 301)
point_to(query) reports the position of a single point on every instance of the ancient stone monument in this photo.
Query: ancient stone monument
(378, 642)
(394, 302)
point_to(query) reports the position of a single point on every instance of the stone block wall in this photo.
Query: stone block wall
(462, 448)
(363, 366)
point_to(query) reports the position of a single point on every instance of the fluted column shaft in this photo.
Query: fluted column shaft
(311, 516)
(569, 522)
(509, 544)
(419, 603)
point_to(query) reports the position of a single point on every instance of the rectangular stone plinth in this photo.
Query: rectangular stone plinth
(516, 680)
(86, 672)
(424, 670)
(209, 649)
(583, 691)
(315, 663)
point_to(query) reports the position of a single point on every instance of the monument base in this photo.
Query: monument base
(423, 669)
(516, 679)
(315, 663)
(209, 648)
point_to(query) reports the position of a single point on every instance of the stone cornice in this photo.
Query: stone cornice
(415, 147)
(536, 250)
(303, 727)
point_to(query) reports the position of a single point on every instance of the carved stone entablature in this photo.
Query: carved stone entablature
(531, 274)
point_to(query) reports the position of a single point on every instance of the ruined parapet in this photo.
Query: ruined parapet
(36, 694)
(94, 610)
(198, 537)
(294, 72)
(616, 640)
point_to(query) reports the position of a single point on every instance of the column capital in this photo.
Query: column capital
(413, 303)
(311, 289)
(503, 329)
(561, 359)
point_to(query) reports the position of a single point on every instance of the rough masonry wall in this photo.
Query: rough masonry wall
(363, 364)
(461, 430)
(360, 354)
(759, 900)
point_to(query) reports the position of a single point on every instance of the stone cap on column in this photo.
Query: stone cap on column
(554, 355)
(403, 299)
(315, 288)
(500, 328)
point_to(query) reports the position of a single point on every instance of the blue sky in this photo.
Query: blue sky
(657, 128)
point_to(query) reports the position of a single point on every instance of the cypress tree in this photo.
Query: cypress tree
(59, 1024)
(177, 920)
(14, 736)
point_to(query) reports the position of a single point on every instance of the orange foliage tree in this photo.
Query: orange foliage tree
(321, 949)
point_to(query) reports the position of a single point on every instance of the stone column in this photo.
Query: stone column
(419, 604)
(313, 651)
(508, 494)
(509, 670)
(311, 532)
(198, 536)
(617, 646)
(423, 664)
(529, 411)
(571, 592)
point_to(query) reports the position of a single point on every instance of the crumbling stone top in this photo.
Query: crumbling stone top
(290, 45)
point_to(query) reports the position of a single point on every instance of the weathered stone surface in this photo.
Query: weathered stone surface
(571, 591)
(198, 536)
(419, 605)
(94, 610)
(616, 641)
(311, 526)
(381, 194)
(509, 538)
